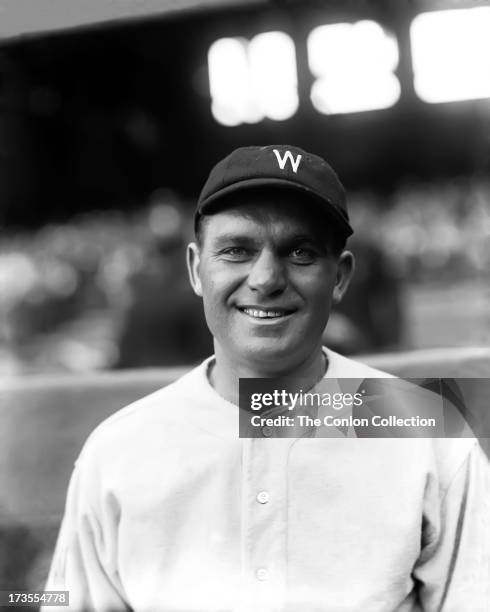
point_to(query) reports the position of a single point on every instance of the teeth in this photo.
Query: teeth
(263, 314)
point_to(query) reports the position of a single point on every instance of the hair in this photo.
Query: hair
(199, 229)
(333, 236)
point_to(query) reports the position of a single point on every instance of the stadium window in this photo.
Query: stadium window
(354, 67)
(451, 54)
(251, 80)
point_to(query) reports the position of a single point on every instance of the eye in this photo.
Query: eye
(302, 255)
(235, 253)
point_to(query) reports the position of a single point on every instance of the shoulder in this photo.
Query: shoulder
(457, 455)
(446, 455)
(137, 425)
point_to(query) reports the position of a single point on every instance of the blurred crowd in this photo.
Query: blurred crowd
(109, 289)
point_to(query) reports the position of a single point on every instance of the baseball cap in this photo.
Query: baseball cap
(281, 166)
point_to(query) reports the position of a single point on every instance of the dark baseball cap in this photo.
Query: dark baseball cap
(281, 166)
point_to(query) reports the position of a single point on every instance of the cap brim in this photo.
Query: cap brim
(212, 203)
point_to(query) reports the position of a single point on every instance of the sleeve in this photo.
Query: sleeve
(453, 572)
(84, 562)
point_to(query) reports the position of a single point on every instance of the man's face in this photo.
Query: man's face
(267, 280)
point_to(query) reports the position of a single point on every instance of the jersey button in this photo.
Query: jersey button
(262, 574)
(263, 497)
(267, 431)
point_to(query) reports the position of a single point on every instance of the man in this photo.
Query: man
(169, 510)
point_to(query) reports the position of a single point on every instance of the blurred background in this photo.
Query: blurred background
(112, 113)
(109, 127)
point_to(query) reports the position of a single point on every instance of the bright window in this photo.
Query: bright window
(451, 54)
(354, 67)
(251, 80)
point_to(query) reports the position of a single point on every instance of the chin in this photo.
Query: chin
(273, 356)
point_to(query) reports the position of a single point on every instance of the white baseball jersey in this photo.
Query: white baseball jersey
(169, 510)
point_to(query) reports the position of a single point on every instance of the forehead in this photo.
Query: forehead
(278, 215)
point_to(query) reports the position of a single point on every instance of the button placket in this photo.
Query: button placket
(263, 497)
(267, 431)
(264, 521)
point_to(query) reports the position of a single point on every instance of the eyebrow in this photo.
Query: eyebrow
(288, 241)
(231, 237)
(303, 238)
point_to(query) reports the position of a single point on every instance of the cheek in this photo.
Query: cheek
(210, 297)
(217, 286)
(317, 291)
(316, 286)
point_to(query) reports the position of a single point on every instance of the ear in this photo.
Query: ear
(193, 260)
(345, 271)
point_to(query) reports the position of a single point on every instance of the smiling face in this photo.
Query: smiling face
(268, 279)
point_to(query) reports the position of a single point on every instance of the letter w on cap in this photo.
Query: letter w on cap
(287, 155)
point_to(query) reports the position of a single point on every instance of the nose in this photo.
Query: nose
(268, 274)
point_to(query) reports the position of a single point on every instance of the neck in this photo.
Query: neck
(226, 373)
